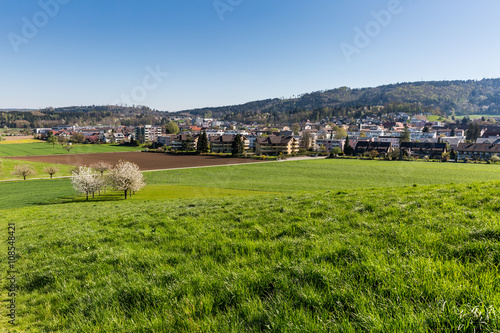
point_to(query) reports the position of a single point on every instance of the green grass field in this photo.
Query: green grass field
(43, 148)
(476, 116)
(7, 166)
(326, 174)
(316, 246)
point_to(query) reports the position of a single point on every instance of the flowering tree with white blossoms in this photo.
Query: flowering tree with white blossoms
(126, 176)
(84, 181)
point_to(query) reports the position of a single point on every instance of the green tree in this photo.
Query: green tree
(295, 128)
(453, 154)
(237, 146)
(202, 146)
(405, 135)
(78, 138)
(52, 140)
(340, 133)
(425, 129)
(452, 133)
(172, 128)
(348, 150)
(473, 132)
(335, 151)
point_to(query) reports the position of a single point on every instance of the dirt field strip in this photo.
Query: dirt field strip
(145, 161)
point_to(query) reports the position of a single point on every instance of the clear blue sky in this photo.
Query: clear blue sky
(98, 51)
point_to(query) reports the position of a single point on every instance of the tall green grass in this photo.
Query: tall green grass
(412, 259)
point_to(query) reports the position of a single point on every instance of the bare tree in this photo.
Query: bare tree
(51, 170)
(23, 170)
(68, 148)
(86, 182)
(101, 166)
(126, 176)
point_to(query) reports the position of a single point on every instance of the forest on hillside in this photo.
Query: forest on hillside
(438, 97)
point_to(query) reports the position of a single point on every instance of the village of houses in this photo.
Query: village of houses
(428, 139)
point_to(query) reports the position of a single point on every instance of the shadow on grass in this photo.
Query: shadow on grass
(117, 196)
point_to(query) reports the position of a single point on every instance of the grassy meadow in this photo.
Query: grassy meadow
(326, 174)
(7, 166)
(310, 246)
(44, 148)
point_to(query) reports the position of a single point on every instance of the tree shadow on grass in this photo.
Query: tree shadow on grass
(110, 196)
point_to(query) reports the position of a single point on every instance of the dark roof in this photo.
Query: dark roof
(381, 147)
(185, 137)
(479, 147)
(274, 139)
(422, 145)
(222, 139)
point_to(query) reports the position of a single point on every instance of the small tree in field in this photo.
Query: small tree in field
(101, 166)
(51, 170)
(86, 182)
(126, 176)
(23, 170)
(68, 148)
(494, 158)
(52, 140)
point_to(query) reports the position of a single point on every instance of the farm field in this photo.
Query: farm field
(44, 148)
(415, 259)
(327, 174)
(19, 139)
(145, 161)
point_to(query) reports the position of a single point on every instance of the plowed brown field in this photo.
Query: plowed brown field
(145, 161)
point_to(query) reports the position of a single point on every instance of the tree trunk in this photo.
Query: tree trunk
(24, 177)
(87, 196)
(126, 194)
(50, 176)
(93, 195)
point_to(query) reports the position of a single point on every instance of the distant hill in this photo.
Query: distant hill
(437, 97)
(82, 115)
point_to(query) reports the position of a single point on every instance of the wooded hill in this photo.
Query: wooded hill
(438, 97)
(83, 116)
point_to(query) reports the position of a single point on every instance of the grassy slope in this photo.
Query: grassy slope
(7, 166)
(34, 192)
(43, 148)
(409, 259)
(326, 174)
